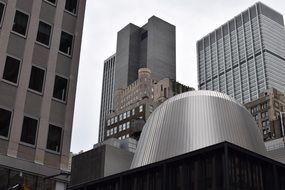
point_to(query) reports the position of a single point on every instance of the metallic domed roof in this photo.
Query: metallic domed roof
(194, 120)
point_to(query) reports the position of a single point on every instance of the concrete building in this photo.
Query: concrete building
(150, 46)
(245, 56)
(215, 144)
(134, 104)
(266, 111)
(39, 59)
(107, 95)
(107, 158)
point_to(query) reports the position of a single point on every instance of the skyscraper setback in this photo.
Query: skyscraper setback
(150, 46)
(245, 56)
(39, 59)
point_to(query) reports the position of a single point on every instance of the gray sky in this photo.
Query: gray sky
(104, 18)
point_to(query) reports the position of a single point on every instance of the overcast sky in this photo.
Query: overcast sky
(104, 18)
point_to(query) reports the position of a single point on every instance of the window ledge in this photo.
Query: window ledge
(9, 82)
(65, 54)
(4, 138)
(41, 44)
(18, 34)
(71, 13)
(60, 101)
(52, 152)
(35, 92)
(27, 144)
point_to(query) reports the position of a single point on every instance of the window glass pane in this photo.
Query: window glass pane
(60, 88)
(54, 138)
(11, 69)
(71, 5)
(44, 33)
(5, 118)
(65, 43)
(1, 12)
(37, 79)
(20, 23)
(29, 130)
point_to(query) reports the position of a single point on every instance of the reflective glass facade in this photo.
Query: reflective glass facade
(245, 56)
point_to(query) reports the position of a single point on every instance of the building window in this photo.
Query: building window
(115, 130)
(111, 131)
(116, 119)
(5, 119)
(128, 113)
(133, 111)
(125, 115)
(264, 105)
(54, 138)
(265, 123)
(264, 114)
(44, 32)
(108, 122)
(128, 124)
(2, 6)
(124, 126)
(37, 79)
(112, 121)
(108, 133)
(127, 135)
(71, 5)
(29, 130)
(120, 117)
(60, 88)
(140, 108)
(20, 23)
(11, 69)
(65, 45)
(120, 128)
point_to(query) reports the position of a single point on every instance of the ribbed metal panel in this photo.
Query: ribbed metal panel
(194, 120)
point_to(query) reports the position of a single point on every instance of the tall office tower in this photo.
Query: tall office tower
(245, 56)
(39, 59)
(107, 96)
(150, 46)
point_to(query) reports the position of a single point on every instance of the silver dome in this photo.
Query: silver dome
(194, 120)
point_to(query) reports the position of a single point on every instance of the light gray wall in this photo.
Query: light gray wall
(116, 160)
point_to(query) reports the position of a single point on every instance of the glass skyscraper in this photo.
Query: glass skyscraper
(244, 56)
